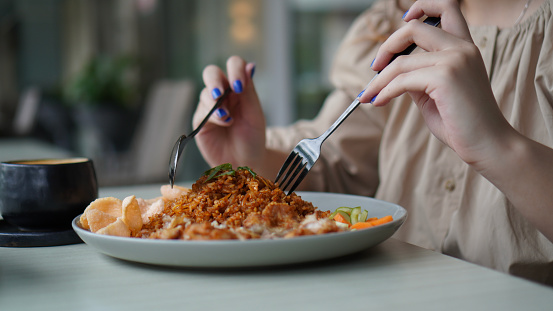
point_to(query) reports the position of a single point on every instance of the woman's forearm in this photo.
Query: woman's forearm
(523, 171)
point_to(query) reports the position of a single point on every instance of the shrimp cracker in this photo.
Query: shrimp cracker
(131, 215)
(98, 219)
(109, 206)
(117, 228)
(173, 193)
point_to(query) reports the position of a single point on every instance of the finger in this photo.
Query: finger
(427, 37)
(452, 19)
(399, 66)
(410, 82)
(214, 80)
(203, 107)
(250, 69)
(236, 70)
(220, 117)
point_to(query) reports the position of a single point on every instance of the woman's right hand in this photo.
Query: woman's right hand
(235, 133)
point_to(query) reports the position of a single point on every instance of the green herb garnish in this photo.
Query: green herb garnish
(225, 169)
(247, 169)
(212, 173)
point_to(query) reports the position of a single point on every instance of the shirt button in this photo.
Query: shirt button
(449, 185)
(483, 42)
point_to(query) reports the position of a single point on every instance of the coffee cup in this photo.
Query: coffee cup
(46, 194)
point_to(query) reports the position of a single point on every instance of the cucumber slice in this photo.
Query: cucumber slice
(345, 209)
(342, 225)
(363, 216)
(355, 212)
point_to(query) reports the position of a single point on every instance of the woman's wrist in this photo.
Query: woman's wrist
(523, 171)
(504, 151)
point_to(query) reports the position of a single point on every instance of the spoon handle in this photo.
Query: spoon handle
(183, 139)
(218, 104)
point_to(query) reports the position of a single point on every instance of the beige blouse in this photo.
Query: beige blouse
(389, 153)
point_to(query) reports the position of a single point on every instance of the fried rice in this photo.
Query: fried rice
(236, 204)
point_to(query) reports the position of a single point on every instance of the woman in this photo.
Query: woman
(460, 135)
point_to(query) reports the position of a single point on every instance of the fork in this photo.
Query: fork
(307, 151)
(183, 139)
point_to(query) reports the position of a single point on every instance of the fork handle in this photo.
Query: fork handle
(432, 21)
(339, 121)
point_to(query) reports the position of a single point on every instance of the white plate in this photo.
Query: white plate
(253, 253)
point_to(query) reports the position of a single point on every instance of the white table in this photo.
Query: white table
(391, 276)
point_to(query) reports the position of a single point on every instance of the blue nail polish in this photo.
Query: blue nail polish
(253, 71)
(238, 86)
(228, 119)
(360, 94)
(215, 93)
(221, 113)
(404, 14)
(372, 100)
(372, 62)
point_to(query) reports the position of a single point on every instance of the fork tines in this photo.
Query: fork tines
(296, 169)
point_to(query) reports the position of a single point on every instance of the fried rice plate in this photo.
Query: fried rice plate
(236, 204)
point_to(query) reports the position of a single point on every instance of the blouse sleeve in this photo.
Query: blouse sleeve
(349, 157)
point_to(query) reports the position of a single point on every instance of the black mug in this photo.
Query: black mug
(46, 194)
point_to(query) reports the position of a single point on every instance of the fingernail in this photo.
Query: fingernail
(372, 100)
(360, 94)
(227, 119)
(221, 113)
(372, 62)
(405, 14)
(252, 72)
(215, 93)
(238, 86)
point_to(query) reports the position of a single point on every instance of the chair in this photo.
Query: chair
(167, 115)
(27, 109)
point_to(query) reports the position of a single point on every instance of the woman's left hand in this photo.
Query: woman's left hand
(448, 82)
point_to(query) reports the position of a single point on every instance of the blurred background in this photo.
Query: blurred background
(118, 80)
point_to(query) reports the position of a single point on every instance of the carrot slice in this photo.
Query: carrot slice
(372, 223)
(340, 218)
(361, 225)
(382, 220)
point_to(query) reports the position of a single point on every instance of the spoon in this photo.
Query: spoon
(184, 139)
